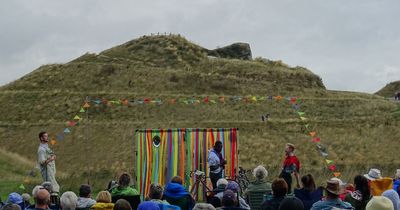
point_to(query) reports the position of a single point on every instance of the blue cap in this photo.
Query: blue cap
(15, 198)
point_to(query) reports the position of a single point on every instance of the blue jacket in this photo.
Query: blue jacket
(396, 185)
(329, 204)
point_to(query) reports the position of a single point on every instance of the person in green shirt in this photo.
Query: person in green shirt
(123, 188)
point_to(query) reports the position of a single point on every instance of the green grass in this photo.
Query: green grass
(360, 130)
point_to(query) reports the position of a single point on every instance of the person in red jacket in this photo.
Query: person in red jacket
(291, 165)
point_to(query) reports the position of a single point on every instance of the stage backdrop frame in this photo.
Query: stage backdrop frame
(181, 151)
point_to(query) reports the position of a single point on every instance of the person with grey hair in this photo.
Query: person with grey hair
(68, 201)
(203, 206)
(260, 184)
(48, 186)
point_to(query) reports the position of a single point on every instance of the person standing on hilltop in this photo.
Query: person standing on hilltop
(291, 165)
(46, 161)
(216, 163)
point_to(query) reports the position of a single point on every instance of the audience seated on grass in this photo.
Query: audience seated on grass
(123, 187)
(332, 200)
(234, 186)
(394, 197)
(279, 191)
(103, 201)
(85, 200)
(361, 196)
(177, 195)
(122, 204)
(68, 201)
(291, 203)
(379, 203)
(308, 194)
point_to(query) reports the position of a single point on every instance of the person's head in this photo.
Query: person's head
(397, 175)
(203, 206)
(44, 137)
(229, 199)
(361, 184)
(279, 187)
(85, 191)
(124, 180)
(260, 172)
(233, 186)
(14, 198)
(68, 201)
(26, 197)
(103, 197)
(48, 186)
(177, 180)
(218, 146)
(42, 198)
(308, 182)
(156, 191)
(373, 174)
(122, 204)
(379, 203)
(291, 203)
(332, 189)
(394, 197)
(36, 190)
(11, 206)
(148, 205)
(289, 148)
(222, 183)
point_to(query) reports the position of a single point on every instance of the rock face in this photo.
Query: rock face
(236, 51)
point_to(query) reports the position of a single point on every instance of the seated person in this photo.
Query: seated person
(85, 197)
(156, 193)
(308, 194)
(177, 195)
(362, 194)
(123, 188)
(218, 193)
(279, 191)
(377, 183)
(68, 201)
(332, 199)
(234, 186)
(260, 173)
(229, 201)
(103, 201)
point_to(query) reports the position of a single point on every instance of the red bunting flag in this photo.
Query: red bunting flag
(147, 100)
(206, 100)
(71, 123)
(332, 167)
(293, 100)
(317, 139)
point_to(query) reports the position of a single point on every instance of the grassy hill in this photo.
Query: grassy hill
(358, 129)
(390, 89)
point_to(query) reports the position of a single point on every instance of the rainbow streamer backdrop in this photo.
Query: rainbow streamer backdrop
(180, 152)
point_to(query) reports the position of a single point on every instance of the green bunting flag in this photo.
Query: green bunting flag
(301, 113)
(21, 187)
(303, 118)
(82, 110)
(329, 161)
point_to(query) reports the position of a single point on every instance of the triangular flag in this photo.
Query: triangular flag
(21, 186)
(53, 142)
(221, 99)
(296, 107)
(307, 125)
(270, 97)
(206, 100)
(71, 123)
(293, 100)
(337, 174)
(278, 98)
(172, 101)
(303, 118)
(97, 101)
(301, 113)
(86, 105)
(213, 101)
(147, 100)
(77, 117)
(67, 130)
(82, 110)
(317, 139)
(254, 99)
(329, 161)
(332, 167)
(313, 133)
(125, 102)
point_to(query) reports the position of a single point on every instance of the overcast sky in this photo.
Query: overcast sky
(353, 45)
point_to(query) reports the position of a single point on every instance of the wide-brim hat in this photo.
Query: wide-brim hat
(341, 183)
(332, 186)
(373, 174)
(379, 203)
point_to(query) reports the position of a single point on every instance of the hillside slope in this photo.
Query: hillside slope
(165, 68)
(390, 89)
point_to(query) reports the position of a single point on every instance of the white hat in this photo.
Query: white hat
(379, 203)
(341, 183)
(373, 174)
(397, 176)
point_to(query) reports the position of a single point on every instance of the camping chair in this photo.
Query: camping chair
(134, 200)
(256, 198)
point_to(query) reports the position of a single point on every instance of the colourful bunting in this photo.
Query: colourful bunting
(278, 98)
(303, 118)
(86, 105)
(329, 161)
(206, 100)
(301, 113)
(125, 102)
(307, 125)
(293, 100)
(213, 101)
(337, 174)
(67, 130)
(82, 110)
(53, 142)
(71, 123)
(254, 99)
(221, 99)
(21, 186)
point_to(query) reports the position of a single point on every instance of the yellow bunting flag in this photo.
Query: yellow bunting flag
(254, 99)
(337, 174)
(303, 118)
(313, 133)
(77, 117)
(86, 105)
(329, 161)
(53, 142)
